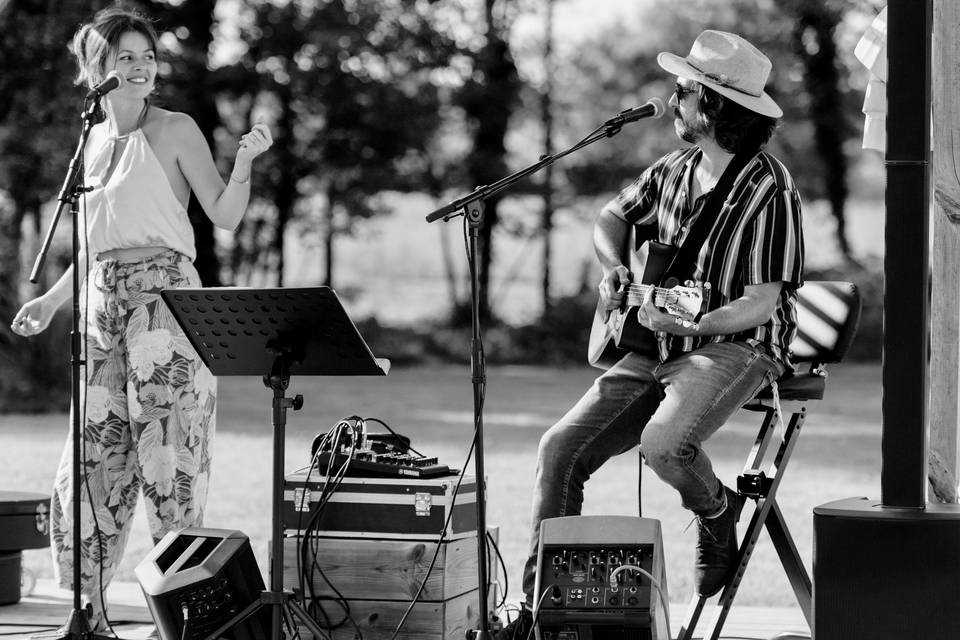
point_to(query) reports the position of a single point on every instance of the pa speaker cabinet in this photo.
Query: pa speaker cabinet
(884, 573)
(587, 583)
(207, 574)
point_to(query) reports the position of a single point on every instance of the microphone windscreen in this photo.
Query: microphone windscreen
(658, 108)
(115, 74)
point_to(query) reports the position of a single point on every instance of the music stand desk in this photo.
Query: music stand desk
(237, 331)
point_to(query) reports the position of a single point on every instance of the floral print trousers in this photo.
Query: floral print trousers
(149, 406)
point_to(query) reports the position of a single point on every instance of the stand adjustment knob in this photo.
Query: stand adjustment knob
(298, 402)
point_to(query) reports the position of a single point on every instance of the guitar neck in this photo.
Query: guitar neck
(636, 293)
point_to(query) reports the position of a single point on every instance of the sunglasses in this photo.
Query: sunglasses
(679, 91)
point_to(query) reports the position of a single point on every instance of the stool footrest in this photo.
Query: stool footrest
(754, 483)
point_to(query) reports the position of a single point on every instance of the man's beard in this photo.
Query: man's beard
(688, 132)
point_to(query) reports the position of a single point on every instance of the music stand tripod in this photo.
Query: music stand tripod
(274, 333)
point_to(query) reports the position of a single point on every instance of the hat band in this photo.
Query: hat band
(721, 79)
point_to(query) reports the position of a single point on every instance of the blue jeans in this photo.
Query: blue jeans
(669, 408)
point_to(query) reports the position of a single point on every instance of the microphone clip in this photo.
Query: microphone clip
(612, 127)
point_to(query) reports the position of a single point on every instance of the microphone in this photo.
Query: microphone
(113, 80)
(653, 108)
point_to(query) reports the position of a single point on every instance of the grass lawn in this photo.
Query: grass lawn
(838, 456)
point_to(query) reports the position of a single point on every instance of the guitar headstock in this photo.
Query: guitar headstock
(685, 302)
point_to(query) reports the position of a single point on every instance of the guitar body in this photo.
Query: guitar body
(616, 332)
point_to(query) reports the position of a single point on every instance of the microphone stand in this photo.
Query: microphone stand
(78, 623)
(472, 206)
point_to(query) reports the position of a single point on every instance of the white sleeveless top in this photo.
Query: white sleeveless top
(137, 206)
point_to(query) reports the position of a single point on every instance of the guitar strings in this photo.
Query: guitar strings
(649, 286)
(641, 289)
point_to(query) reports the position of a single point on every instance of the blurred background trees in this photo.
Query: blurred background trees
(378, 103)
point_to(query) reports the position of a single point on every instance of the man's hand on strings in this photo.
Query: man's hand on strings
(652, 317)
(661, 322)
(614, 285)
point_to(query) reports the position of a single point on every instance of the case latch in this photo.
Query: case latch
(422, 503)
(301, 499)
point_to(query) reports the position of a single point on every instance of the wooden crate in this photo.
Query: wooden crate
(387, 569)
(377, 619)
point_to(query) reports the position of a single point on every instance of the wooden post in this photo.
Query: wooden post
(943, 457)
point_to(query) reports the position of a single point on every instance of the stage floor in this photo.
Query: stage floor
(48, 606)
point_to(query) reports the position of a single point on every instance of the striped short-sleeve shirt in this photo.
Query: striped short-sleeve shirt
(756, 238)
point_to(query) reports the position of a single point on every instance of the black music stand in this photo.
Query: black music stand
(274, 333)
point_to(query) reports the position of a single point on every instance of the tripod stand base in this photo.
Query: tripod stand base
(77, 627)
(288, 610)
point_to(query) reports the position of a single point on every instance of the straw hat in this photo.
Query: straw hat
(729, 65)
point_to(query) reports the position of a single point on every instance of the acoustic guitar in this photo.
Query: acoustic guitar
(616, 331)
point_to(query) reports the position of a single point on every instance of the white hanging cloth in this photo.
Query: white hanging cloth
(872, 52)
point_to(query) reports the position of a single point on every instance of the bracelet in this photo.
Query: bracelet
(244, 181)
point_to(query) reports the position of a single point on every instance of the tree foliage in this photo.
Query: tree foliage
(366, 96)
(809, 81)
(38, 119)
(351, 89)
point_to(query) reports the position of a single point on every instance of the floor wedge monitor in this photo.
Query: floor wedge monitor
(601, 578)
(196, 580)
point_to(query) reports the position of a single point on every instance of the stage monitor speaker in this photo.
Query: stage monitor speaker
(195, 580)
(587, 584)
(884, 573)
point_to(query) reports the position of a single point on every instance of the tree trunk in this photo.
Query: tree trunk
(285, 196)
(10, 237)
(328, 234)
(822, 80)
(189, 92)
(449, 266)
(944, 448)
(489, 106)
(34, 372)
(13, 348)
(546, 108)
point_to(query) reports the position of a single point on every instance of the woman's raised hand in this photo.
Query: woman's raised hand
(254, 142)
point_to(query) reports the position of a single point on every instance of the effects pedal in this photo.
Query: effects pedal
(387, 465)
(362, 454)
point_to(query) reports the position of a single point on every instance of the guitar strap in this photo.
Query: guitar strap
(686, 255)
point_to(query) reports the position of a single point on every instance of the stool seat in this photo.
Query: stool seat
(793, 387)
